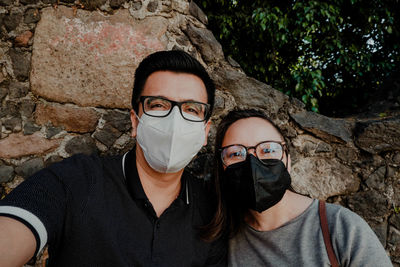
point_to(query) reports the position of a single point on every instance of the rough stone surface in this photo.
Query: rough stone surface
(93, 4)
(21, 64)
(310, 146)
(120, 121)
(116, 3)
(13, 124)
(379, 136)
(32, 16)
(107, 135)
(332, 130)
(18, 145)
(81, 144)
(73, 56)
(17, 90)
(394, 236)
(28, 1)
(10, 108)
(321, 178)
(52, 131)
(29, 167)
(249, 92)
(52, 159)
(371, 205)
(6, 2)
(26, 107)
(72, 118)
(396, 158)
(30, 127)
(347, 154)
(23, 39)
(196, 12)
(395, 220)
(377, 179)
(3, 92)
(6, 173)
(205, 41)
(381, 232)
(152, 6)
(12, 20)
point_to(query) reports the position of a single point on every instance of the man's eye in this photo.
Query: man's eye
(193, 111)
(158, 105)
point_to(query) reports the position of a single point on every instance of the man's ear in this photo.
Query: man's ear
(134, 122)
(289, 164)
(207, 129)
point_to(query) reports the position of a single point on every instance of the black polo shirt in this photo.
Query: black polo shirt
(93, 211)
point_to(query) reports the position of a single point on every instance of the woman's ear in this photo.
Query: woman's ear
(288, 163)
(134, 123)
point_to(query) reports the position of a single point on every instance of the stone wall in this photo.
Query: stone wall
(66, 73)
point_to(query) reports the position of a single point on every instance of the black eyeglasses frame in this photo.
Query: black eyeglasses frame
(176, 103)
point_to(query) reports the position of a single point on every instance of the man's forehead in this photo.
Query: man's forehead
(175, 86)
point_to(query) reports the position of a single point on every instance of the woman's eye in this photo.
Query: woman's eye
(235, 154)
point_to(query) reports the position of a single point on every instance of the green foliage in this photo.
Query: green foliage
(333, 55)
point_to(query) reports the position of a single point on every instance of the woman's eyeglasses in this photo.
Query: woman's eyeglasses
(265, 150)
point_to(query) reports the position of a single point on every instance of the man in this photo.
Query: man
(139, 209)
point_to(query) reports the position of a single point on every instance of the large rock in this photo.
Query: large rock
(21, 64)
(19, 145)
(371, 205)
(310, 146)
(249, 92)
(205, 41)
(71, 118)
(81, 144)
(89, 59)
(6, 173)
(29, 167)
(332, 130)
(379, 136)
(322, 178)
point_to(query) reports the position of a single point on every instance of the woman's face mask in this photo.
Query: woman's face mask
(257, 185)
(169, 143)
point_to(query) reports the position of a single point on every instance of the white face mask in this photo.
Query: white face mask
(171, 142)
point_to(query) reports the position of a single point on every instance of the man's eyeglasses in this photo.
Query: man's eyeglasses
(157, 106)
(265, 150)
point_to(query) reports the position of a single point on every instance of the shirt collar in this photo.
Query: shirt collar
(134, 185)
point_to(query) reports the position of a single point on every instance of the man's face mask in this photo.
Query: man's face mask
(169, 143)
(256, 185)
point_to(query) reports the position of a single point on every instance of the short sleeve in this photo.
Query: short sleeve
(39, 202)
(354, 241)
(43, 201)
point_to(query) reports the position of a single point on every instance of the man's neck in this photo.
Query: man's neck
(160, 188)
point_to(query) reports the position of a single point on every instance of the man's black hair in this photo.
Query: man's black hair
(175, 61)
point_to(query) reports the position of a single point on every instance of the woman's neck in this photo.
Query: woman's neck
(290, 206)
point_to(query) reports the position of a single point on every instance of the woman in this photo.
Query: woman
(269, 224)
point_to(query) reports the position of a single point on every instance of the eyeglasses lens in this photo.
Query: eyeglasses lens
(269, 150)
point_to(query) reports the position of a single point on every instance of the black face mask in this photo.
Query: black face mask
(256, 185)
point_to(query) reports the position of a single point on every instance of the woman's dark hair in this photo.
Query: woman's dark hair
(175, 61)
(228, 220)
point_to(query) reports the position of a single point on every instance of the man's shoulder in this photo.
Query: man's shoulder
(83, 162)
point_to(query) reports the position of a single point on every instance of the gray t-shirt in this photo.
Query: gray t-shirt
(299, 242)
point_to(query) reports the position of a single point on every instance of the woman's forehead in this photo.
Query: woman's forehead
(251, 131)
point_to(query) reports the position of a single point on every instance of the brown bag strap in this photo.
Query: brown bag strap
(325, 233)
